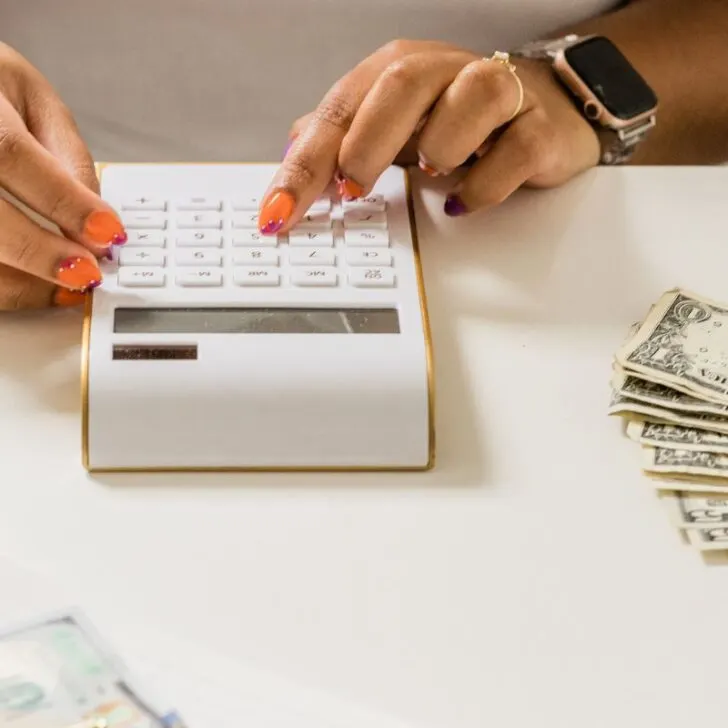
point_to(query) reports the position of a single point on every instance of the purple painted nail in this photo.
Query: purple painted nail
(272, 226)
(454, 206)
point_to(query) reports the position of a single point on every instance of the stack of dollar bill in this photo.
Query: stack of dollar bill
(670, 384)
(56, 672)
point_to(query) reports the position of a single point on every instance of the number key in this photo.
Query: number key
(199, 257)
(197, 278)
(364, 219)
(141, 277)
(256, 256)
(200, 239)
(199, 220)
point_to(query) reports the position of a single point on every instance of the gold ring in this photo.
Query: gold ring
(505, 60)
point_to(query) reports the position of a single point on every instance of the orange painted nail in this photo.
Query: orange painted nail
(64, 297)
(276, 211)
(79, 274)
(426, 166)
(104, 227)
(347, 188)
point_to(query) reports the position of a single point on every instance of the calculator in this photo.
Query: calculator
(210, 346)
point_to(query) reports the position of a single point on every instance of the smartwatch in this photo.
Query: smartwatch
(609, 91)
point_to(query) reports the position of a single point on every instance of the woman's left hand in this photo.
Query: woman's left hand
(449, 104)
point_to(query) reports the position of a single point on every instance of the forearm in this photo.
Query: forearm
(680, 47)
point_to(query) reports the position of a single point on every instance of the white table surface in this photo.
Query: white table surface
(531, 579)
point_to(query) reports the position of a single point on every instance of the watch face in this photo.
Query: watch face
(611, 78)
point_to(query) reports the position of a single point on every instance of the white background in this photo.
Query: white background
(532, 579)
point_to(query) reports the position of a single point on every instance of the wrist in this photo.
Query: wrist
(604, 87)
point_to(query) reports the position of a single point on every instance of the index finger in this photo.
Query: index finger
(35, 177)
(311, 161)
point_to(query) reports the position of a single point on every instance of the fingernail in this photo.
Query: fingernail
(275, 212)
(426, 166)
(80, 274)
(454, 206)
(104, 227)
(348, 189)
(64, 297)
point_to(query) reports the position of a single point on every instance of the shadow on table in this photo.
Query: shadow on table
(40, 352)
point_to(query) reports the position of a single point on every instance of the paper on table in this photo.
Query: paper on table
(210, 690)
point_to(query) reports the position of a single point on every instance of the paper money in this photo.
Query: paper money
(709, 539)
(685, 462)
(696, 510)
(659, 395)
(670, 385)
(677, 436)
(56, 673)
(621, 405)
(683, 344)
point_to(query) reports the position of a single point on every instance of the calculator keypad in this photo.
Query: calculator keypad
(209, 242)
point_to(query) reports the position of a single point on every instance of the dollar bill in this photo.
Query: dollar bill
(696, 510)
(677, 436)
(676, 461)
(56, 673)
(621, 405)
(660, 395)
(683, 344)
(709, 539)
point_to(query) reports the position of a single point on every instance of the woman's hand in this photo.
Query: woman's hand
(449, 104)
(45, 165)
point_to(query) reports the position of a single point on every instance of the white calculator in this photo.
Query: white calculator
(212, 347)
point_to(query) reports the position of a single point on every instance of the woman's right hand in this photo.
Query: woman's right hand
(45, 165)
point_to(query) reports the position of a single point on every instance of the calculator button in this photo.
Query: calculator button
(323, 204)
(146, 237)
(241, 204)
(312, 256)
(256, 256)
(144, 203)
(245, 220)
(367, 257)
(141, 256)
(256, 277)
(372, 278)
(199, 203)
(314, 221)
(199, 220)
(314, 277)
(141, 220)
(367, 238)
(251, 237)
(205, 277)
(141, 277)
(311, 238)
(199, 257)
(364, 219)
(200, 239)
(372, 203)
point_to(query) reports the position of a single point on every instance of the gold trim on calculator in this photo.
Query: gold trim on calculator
(85, 353)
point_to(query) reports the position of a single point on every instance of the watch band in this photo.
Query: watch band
(618, 145)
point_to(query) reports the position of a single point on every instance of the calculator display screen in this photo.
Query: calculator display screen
(256, 321)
